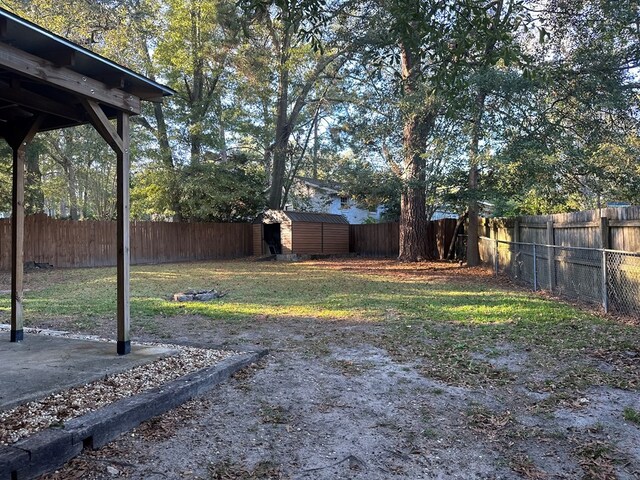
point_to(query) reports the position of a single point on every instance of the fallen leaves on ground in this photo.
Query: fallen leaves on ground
(59, 407)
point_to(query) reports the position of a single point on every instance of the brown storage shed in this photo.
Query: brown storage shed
(286, 232)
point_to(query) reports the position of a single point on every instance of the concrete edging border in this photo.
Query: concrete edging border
(49, 449)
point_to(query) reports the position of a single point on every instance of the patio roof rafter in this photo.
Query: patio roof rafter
(35, 68)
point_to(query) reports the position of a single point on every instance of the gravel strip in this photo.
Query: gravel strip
(57, 408)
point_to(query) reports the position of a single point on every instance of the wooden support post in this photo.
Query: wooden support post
(551, 260)
(17, 246)
(604, 232)
(20, 137)
(119, 139)
(123, 260)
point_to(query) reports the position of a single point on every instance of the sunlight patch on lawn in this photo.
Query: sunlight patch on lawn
(156, 275)
(239, 310)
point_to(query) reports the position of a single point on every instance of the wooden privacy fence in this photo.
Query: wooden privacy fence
(609, 228)
(383, 239)
(67, 243)
(592, 255)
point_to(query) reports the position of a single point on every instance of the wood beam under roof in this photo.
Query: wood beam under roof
(40, 103)
(102, 124)
(37, 68)
(62, 57)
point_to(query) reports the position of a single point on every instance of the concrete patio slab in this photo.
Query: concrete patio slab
(49, 449)
(43, 364)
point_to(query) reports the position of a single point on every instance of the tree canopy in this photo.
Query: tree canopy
(530, 106)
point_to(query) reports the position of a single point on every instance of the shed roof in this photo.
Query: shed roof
(310, 217)
(315, 217)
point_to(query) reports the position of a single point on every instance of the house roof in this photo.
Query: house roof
(310, 217)
(332, 187)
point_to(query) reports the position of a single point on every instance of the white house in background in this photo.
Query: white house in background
(311, 195)
(441, 214)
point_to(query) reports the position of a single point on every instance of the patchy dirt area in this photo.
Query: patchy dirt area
(378, 400)
(325, 404)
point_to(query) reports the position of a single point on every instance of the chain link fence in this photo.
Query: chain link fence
(607, 277)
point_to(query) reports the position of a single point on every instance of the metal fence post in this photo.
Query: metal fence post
(495, 257)
(605, 293)
(551, 260)
(535, 269)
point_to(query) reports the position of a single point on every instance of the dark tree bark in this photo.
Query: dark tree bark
(473, 254)
(72, 181)
(196, 91)
(285, 120)
(283, 131)
(34, 197)
(417, 127)
(59, 154)
(166, 157)
(166, 154)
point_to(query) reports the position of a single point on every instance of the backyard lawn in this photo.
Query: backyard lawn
(376, 369)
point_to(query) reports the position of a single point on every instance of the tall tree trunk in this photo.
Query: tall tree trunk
(316, 148)
(197, 90)
(221, 131)
(283, 131)
(72, 181)
(296, 165)
(166, 154)
(34, 201)
(279, 163)
(85, 204)
(473, 253)
(417, 126)
(166, 157)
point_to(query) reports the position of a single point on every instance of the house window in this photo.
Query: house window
(344, 202)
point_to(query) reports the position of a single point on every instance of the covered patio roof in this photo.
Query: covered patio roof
(47, 83)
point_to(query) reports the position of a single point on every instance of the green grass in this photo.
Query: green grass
(445, 319)
(632, 415)
(283, 290)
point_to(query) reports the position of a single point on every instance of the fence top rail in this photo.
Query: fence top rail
(544, 245)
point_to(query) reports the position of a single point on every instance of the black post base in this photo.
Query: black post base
(124, 347)
(17, 335)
